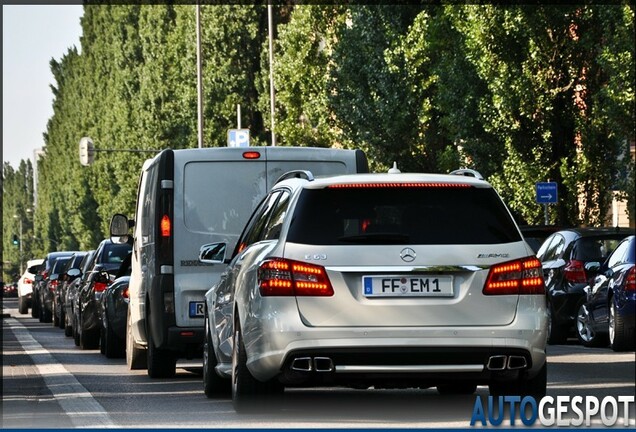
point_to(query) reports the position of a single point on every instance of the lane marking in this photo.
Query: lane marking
(76, 401)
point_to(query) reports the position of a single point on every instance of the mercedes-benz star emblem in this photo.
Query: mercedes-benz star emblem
(408, 255)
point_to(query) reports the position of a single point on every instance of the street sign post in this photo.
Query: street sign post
(547, 193)
(238, 137)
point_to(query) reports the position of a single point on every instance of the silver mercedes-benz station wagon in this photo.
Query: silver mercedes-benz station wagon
(386, 280)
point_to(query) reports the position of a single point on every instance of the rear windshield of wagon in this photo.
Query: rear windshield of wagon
(401, 215)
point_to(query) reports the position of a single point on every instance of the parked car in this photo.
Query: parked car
(25, 285)
(113, 306)
(42, 308)
(563, 256)
(385, 280)
(67, 275)
(106, 261)
(71, 301)
(609, 308)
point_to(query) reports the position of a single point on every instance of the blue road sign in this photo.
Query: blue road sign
(546, 192)
(238, 137)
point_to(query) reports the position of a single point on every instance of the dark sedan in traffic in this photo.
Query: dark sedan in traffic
(563, 257)
(608, 313)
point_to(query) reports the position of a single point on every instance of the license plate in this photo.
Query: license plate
(197, 309)
(408, 286)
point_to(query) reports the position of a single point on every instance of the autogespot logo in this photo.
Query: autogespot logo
(560, 411)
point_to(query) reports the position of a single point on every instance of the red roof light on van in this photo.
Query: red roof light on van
(166, 226)
(251, 155)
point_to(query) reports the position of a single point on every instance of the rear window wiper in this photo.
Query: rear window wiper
(377, 238)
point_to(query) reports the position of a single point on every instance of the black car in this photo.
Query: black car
(106, 262)
(563, 256)
(69, 273)
(41, 280)
(53, 287)
(609, 310)
(535, 235)
(72, 292)
(113, 306)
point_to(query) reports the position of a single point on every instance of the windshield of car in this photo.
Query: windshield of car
(401, 215)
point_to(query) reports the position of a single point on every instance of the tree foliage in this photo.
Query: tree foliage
(522, 93)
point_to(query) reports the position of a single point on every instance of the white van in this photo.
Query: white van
(187, 198)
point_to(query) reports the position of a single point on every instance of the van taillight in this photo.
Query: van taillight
(251, 155)
(166, 225)
(574, 272)
(630, 280)
(283, 277)
(523, 276)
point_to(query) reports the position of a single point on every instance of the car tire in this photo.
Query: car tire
(45, 315)
(76, 335)
(161, 363)
(213, 384)
(55, 319)
(23, 307)
(249, 394)
(524, 386)
(585, 332)
(113, 346)
(557, 334)
(68, 328)
(62, 320)
(459, 388)
(35, 306)
(618, 334)
(89, 339)
(135, 356)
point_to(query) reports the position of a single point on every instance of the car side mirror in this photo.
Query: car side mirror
(213, 253)
(73, 272)
(119, 227)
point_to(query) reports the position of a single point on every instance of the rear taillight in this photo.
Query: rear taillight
(574, 272)
(283, 277)
(630, 280)
(522, 276)
(100, 286)
(28, 281)
(166, 226)
(53, 285)
(124, 293)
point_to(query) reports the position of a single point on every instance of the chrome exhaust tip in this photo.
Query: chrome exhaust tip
(517, 362)
(497, 362)
(302, 364)
(323, 364)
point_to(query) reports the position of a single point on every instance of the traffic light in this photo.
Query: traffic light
(16, 240)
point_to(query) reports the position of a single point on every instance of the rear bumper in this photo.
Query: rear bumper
(273, 341)
(185, 339)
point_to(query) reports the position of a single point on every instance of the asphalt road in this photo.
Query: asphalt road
(50, 383)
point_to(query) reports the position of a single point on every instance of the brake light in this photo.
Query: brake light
(630, 280)
(53, 285)
(283, 277)
(522, 276)
(45, 274)
(100, 286)
(251, 155)
(28, 281)
(124, 293)
(398, 185)
(574, 272)
(165, 226)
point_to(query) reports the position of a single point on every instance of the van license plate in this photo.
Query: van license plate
(408, 286)
(196, 309)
